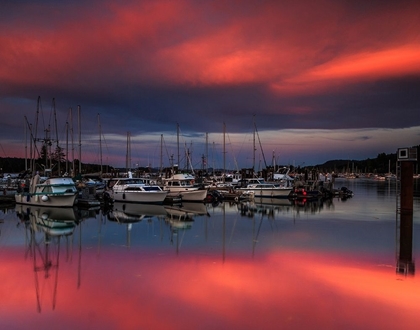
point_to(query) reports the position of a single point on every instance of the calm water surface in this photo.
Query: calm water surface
(323, 265)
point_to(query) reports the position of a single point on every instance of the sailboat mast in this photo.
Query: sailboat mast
(72, 142)
(25, 132)
(100, 141)
(80, 139)
(207, 152)
(254, 149)
(128, 155)
(224, 152)
(177, 142)
(56, 138)
(35, 136)
(67, 146)
(161, 154)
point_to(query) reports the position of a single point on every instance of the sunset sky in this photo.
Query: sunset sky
(321, 80)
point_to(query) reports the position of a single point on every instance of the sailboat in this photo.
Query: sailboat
(183, 184)
(53, 191)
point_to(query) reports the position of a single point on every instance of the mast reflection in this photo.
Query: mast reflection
(45, 229)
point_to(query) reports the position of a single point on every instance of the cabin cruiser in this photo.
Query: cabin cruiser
(182, 185)
(135, 190)
(259, 188)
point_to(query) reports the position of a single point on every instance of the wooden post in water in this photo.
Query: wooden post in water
(406, 157)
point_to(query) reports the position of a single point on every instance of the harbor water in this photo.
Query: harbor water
(324, 264)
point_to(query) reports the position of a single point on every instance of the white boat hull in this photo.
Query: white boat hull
(151, 197)
(48, 200)
(268, 192)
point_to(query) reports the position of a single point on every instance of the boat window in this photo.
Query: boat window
(133, 189)
(47, 189)
(152, 188)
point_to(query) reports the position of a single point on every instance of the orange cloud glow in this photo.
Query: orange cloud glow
(363, 66)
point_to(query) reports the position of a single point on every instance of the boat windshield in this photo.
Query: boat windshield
(152, 188)
(266, 185)
(185, 183)
(60, 189)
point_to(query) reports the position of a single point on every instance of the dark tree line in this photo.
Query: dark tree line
(17, 165)
(383, 163)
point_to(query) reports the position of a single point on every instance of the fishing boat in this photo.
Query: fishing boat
(135, 190)
(182, 185)
(53, 192)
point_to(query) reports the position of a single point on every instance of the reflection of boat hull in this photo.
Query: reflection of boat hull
(195, 195)
(196, 208)
(177, 224)
(56, 227)
(144, 209)
(132, 212)
(268, 192)
(187, 211)
(273, 201)
(53, 221)
(60, 214)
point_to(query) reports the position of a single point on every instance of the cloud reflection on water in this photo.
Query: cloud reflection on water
(287, 288)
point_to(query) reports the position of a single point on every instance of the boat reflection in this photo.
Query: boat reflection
(134, 212)
(45, 228)
(181, 217)
(186, 211)
(270, 207)
(313, 205)
(130, 213)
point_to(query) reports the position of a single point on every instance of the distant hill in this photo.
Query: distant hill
(383, 163)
